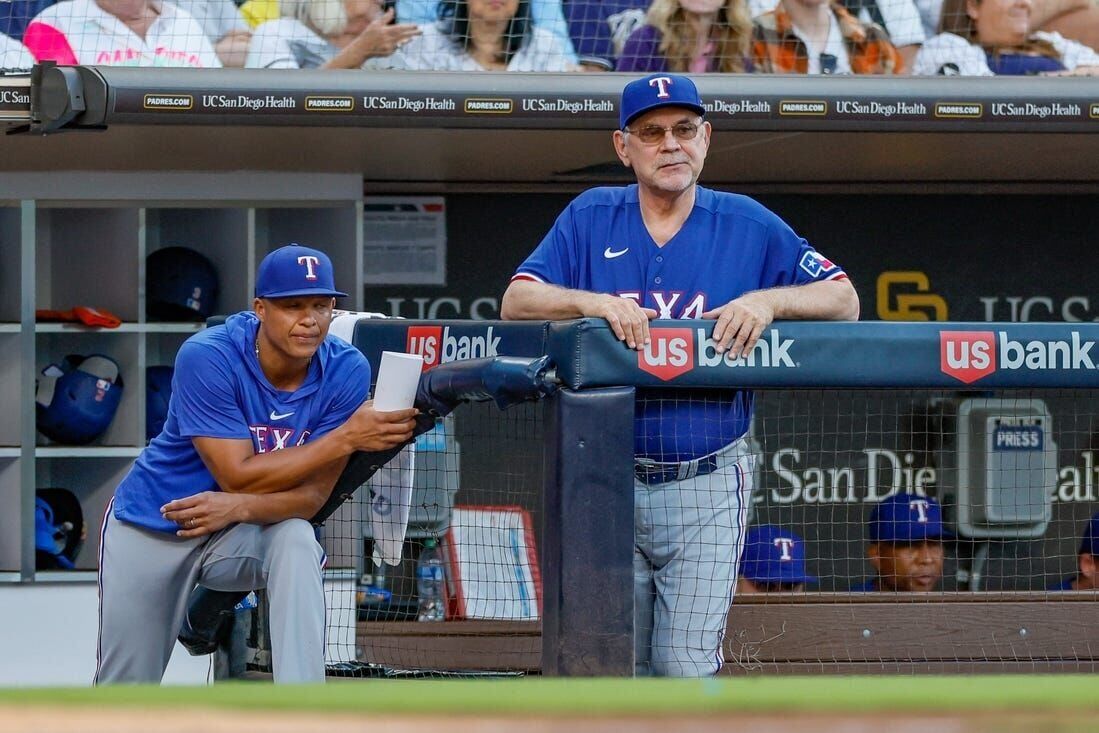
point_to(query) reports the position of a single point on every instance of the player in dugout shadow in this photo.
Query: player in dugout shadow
(668, 248)
(773, 561)
(906, 545)
(1087, 566)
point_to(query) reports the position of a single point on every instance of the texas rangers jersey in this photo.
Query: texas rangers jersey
(728, 246)
(219, 390)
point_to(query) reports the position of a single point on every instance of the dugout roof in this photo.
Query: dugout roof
(404, 128)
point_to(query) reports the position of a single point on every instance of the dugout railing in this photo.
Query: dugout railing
(587, 506)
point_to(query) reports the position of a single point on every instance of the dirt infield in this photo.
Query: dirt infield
(19, 719)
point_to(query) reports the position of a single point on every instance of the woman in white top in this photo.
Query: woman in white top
(327, 34)
(483, 35)
(996, 37)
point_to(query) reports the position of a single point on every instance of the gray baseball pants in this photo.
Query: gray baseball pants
(146, 579)
(688, 538)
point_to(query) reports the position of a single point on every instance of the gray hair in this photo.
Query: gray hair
(328, 17)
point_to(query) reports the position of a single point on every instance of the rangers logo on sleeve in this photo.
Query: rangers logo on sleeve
(815, 264)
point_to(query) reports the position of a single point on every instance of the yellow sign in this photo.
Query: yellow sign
(894, 304)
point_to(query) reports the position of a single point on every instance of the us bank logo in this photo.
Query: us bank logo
(669, 353)
(971, 355)
(905, 295)
(672, 352)
(437, 345)
(967, 355)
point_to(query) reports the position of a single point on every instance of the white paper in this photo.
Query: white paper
(398, 377)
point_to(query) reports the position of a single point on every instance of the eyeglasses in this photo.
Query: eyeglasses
(652, 134)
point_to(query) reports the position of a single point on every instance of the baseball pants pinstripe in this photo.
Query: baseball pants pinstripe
(146, 579)
(688, 539)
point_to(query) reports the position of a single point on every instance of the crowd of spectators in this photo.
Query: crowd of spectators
(924, 37)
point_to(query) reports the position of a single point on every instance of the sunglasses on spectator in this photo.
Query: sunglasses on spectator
(652, 134)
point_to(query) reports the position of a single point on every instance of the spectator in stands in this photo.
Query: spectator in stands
(220, 19)
(690, 36)
(990, 37)
(328, 34)
(1075, 19)
(545, 14)
(119, 33)
(599, 29)
(483, 35)
(820, 37)
(1087, 566)
(13, 55)
(224, 26)
(906, 544)
(773, 560)
(901, 21)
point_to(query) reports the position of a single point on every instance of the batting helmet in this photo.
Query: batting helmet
(59, 530)
(182, 285)
(76, 400)
(158, 390)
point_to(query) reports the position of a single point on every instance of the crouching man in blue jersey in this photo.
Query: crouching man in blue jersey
(669, 248)
(265, 411)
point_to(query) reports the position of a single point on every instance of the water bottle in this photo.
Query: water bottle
(429, 583)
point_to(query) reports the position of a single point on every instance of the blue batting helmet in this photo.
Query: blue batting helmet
(182, 285)
(76, 400)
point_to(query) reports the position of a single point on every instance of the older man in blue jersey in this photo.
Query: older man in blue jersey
(264, 413)
(666, 247)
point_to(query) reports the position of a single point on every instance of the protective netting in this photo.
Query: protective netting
(697, 36)
(1013, 473)
(964, 503)
(477, 493)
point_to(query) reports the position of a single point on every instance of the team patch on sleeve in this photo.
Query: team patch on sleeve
(816, 264)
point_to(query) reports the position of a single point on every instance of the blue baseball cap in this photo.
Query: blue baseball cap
(658, 90)
(296, 270)
(907, 518)
(1089, 543)
(773, 555)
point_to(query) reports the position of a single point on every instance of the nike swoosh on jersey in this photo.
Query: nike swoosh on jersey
(610, 254)
(275, 416)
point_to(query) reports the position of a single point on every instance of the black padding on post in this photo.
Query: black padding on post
(587, 559)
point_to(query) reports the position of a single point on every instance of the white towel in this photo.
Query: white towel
(390, 489)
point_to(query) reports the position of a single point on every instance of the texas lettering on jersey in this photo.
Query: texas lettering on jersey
(670, 304)
(269, 438)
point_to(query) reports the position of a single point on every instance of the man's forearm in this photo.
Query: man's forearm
(529, 300)
(275, 471)
(301, 502)
(830, 300)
